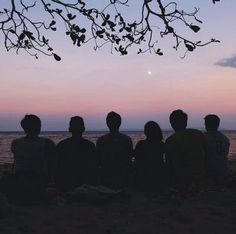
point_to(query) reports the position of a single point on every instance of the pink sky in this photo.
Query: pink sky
(90, 84)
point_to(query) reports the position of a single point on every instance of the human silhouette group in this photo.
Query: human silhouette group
(187, 157)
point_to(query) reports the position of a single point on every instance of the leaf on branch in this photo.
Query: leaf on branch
(130, 37)
(83, 30)
(195, 28)
(189, 46)
(59, 11)
(122, 50)
(99, 33)
(29, 35)
(198, 20)
(170, 29)
(159, 52)
(56, 57)
(44, 40)
(70, 16)
(52, 23)
(21, 37)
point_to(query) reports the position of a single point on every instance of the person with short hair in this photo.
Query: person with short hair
(115, 153)
(149, 159)
(185, 151)
(76, 159)
(217, 149)
(33, 160)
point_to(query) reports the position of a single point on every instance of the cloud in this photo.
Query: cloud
(227, 62)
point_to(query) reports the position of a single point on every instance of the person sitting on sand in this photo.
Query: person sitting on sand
(185, 151)
(115, 154)
(76, 159)
(149, 160)
(33, 158)
(217, 150)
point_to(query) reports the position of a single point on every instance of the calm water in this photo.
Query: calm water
(6, 139)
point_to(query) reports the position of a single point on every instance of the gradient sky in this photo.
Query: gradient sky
(90, 84)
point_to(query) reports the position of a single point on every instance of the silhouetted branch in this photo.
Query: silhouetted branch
(23, 31)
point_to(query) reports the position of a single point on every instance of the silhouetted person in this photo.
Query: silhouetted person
(185, 151)
(76, 158)
(115, 152)
(149, 160)
(33, 158)
(217, 149)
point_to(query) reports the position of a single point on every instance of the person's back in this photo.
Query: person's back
(185, 150)
(217, 149)
(76, 159)
(33, 159)
(149, 162)
(114, 152)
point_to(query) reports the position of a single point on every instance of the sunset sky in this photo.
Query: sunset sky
(140, 87)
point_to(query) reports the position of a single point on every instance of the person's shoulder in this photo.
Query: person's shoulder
(122, 135)
(87, 142)
(223, 136)
(18, 140)
(103, 138)
(172, 137)
(140, 143)
(194, 131)
(47, 141)
(64, 142)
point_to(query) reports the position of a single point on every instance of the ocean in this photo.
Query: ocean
(7, 137)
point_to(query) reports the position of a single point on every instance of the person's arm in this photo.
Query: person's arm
(94, 173)
(137, 154)
(167, 154)
(50, 155)
(226, 146)
(98, 152)
(130, 151)
(13, 150)
(162, 145)
(205, 148)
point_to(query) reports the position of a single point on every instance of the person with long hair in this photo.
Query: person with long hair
(149, 159)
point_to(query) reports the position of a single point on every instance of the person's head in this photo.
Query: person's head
(153, 131)
(212, 122)
(178, 120)
(76, 125)
(113, 121)
(31, 125)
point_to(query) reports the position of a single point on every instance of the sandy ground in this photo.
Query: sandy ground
(209, 212)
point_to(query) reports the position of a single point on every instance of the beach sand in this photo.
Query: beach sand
(210, 212)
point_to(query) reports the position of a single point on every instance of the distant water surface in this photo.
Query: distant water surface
(7, 137)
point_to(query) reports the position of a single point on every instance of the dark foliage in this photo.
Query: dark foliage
(83, 23)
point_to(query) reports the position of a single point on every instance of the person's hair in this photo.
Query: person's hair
(178, 119)
(212, 122)
(76, 124)
(31, 124)
(113, 120)
(152, 130)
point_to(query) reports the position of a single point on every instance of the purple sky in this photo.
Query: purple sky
(140, 88)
